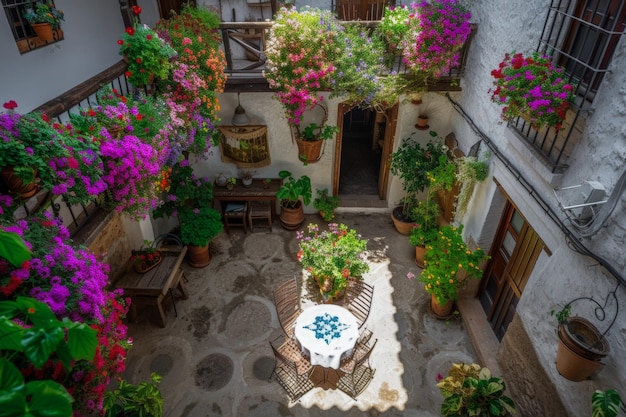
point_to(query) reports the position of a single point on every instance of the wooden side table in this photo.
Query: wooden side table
(155, 285)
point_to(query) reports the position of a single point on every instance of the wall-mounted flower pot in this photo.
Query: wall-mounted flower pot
(43, 31)
(581, 349)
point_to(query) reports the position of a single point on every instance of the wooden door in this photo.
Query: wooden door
(384, 129)
(514, 253)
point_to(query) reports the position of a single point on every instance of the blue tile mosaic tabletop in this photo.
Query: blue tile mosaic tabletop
(327, 327)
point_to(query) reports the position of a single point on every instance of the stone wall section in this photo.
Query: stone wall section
(110, 242)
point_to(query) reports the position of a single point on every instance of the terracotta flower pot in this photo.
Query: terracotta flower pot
(402, 226)
(292, 218)
(199, 256)
(43, 31)
(572, 366)
(442, 311)
(420, 251)
(422, 123)
(16, 185)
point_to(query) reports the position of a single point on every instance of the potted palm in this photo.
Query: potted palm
(470, 390)
(331, 256)
(448, 263)
(292, 194)
(326, 204)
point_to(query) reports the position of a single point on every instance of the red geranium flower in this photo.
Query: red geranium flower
(10, 105)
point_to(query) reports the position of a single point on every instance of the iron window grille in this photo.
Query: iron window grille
(582, 36)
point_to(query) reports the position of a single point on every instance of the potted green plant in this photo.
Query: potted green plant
(43, 18)
(331, 256)
(292, 194)
(141, 400)
(532, 87)
(311, 139)
(425, 229)
(32, 334)
(326, 204)
(470, 390)
(148, 55)
(418, 168)
(448, 263)
(198, 226)
(606, 403)
(30, 143)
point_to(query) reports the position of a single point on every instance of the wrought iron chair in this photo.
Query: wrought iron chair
(292, 369)
(357, 370)
(287, 301)
(358, 299)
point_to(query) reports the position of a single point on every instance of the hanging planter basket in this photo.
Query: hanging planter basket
(310, 151)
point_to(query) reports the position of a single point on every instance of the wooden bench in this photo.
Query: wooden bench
(152, 287)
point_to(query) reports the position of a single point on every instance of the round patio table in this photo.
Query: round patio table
(326, 333)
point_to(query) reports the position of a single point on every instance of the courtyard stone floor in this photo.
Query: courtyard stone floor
(215, 356)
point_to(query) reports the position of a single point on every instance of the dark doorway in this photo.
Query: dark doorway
(360, 154)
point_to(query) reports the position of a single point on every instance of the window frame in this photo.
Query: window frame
(25, 37)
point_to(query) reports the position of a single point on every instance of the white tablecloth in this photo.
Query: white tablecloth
(326, 333)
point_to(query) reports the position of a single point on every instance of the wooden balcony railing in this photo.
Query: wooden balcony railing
(244, 48)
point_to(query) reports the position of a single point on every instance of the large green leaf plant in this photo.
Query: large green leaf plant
(41, 337)
(30, 331)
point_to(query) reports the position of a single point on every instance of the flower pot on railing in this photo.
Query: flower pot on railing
(17, 185)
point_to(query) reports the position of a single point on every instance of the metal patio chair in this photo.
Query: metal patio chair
(287, 302)
(292, 369)
(357, 371)
(358, 299)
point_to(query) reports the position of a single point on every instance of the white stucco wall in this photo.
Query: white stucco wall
(564, 275)
(91, 30)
